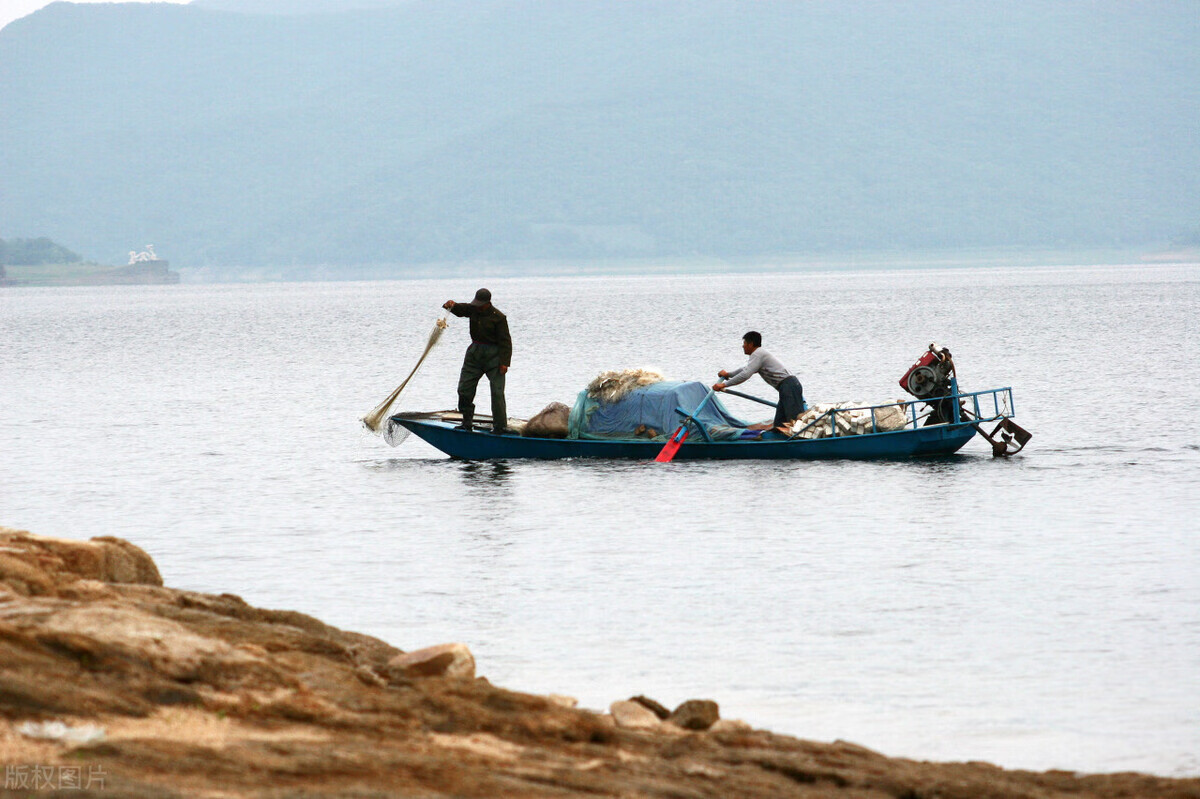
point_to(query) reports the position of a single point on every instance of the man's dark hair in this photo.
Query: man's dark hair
(754, 337)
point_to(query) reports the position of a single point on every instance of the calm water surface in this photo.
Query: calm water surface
(1042, 612)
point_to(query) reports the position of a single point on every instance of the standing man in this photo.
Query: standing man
(489, 354)
(791, 393)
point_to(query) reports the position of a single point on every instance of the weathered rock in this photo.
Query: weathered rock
(703, 770)
(695, 714)
(650, 704)
(167, 646)
(445, 660)
(368, 676)
(107, 559)
(58, 731)
(204, 695)
(634, 715)
(730, 725)
(550, 422)
(24, 578)
(563, 701)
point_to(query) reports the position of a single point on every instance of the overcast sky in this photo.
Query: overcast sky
(15, 9)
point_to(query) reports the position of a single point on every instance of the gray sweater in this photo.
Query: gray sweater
(765, 364)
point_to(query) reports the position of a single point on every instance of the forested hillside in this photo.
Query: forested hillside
(456, 130)
(35, 252)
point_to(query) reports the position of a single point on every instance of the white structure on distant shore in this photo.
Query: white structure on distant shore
(145, 255)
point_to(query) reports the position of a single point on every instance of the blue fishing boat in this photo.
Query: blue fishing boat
(932, 426)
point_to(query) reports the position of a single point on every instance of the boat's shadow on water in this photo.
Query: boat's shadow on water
(494, 472)
(498, 472)
(472, 472)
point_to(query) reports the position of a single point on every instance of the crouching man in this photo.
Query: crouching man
(766, 365)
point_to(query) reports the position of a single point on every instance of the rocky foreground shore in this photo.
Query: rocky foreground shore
(112, 685)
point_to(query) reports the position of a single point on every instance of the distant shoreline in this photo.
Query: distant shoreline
(159, 273)
(139, 274)
(695, 265)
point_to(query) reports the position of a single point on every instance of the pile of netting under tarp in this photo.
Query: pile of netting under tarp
(648, 411)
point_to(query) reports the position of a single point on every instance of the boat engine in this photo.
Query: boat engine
(930, 375)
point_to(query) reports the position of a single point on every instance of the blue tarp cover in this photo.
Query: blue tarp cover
(652, 406)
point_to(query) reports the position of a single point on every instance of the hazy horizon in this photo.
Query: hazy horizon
(423, 132)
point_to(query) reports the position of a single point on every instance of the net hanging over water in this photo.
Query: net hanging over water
(374, 420)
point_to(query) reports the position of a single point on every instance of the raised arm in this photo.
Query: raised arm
(460, 308)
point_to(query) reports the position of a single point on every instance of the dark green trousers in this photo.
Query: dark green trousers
(480, 360)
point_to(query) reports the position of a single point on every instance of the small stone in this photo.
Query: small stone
(695, 714)
(634, 715)
(563, 701)
(444, 660)
(730, 725)
(367, 676)
(64, 733)
(647, 702)
(703, 770)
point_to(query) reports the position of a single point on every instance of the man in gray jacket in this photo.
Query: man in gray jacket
(791, 393)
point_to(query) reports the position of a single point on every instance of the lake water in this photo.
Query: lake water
(1038, 612)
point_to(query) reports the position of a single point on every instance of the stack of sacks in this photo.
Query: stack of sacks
(814, 412)
(553, 421)
(893, 417)
(849, 422)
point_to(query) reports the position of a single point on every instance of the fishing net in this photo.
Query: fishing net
(374, 421)
(615, 385)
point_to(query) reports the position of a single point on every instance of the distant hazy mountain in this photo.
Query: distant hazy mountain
(440, 130)
(35, 252)
(294, 7)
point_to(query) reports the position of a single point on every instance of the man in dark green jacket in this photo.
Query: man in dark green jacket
(489, 354)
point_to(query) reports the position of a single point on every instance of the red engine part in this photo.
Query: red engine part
(926, 359)
(930, 376)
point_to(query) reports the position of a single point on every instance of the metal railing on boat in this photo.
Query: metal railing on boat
(1001, 401)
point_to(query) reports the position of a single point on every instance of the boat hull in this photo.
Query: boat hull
(922, 442)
